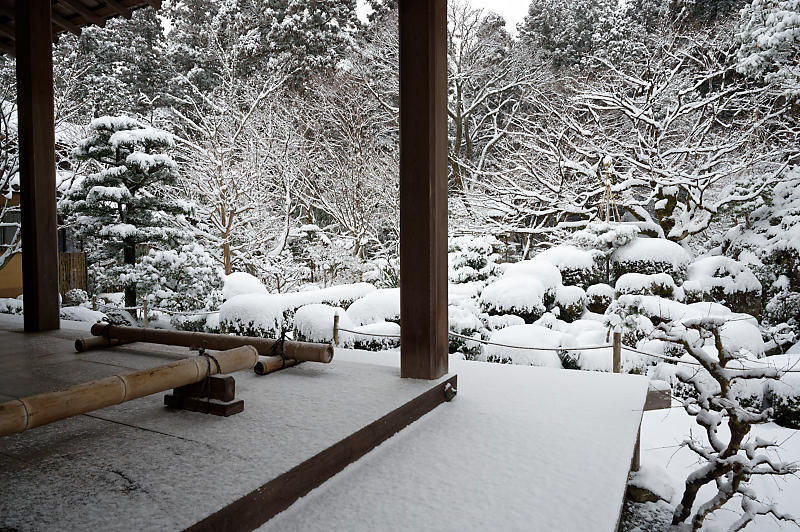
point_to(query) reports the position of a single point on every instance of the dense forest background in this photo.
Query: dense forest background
(283, 120)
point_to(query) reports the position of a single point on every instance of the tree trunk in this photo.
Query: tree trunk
(129, 258)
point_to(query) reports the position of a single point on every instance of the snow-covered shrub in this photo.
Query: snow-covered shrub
(10, 306)
(524, 336)
(342, 295)
(520, 295)
(473, 259)
(314, 323)
(383, 273)
(463, 319)
(571, 301)
(377, 305)
(494, 323)
(253, 315)
(599, 297)
(79, 313)
(546, 273)
(577, 266)
(183, 280)
(726, 281)
(650, 256)
(656, 284)
(603, 238)
(784, 307)
(241, 283)
(784, 395)
(74, 297)
(377, 336)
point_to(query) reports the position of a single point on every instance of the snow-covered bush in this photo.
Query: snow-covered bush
(10, 306)
(253, 315)
(599, 297)
(656, 284)
(241, 283)
(524, 336)
(342, 295)
(463, 319)
(521, 295)
(314, 323)
(375, 306)
(650, 256)
(473, 259)
(74, 297)
(183, 280)
(546, 273)
(726, 281)
(571, 302)
(784, 307)
(603, 238)
(577, 266)
(377, 336)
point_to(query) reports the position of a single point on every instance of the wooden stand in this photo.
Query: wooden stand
(213, 396)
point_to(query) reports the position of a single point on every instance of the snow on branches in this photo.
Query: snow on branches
(730, 458)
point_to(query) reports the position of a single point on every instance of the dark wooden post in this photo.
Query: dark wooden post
(37, 164)
(423, 188)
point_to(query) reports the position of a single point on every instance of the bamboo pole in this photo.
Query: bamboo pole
(300, 351)
(28, 412)
(617, 360)
(96, 342)
(336, 329)
(267, 365)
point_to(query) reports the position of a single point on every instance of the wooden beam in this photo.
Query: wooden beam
(423, 188)
(258, 506)
(89, 15)
(119, 8)
(37, 166)
(155, 4)
(61, 22)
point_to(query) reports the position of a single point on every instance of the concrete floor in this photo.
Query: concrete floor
(141, 466)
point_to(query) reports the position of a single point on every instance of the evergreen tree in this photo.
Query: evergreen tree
(121, 205)
(770, 37)
(568, 32)
(123, 65)
(309, 37)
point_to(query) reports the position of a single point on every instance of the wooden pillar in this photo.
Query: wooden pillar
(423, 188)
(37, 164)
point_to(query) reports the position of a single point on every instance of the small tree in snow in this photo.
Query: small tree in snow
(183, 280)
(121, 204)
(731, 463)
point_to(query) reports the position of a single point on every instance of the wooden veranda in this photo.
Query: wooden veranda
(27, 29)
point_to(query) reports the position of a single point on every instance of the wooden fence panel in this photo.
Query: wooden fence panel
(72, 271)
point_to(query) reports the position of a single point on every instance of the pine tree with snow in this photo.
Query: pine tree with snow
(770, 43)
(121, 204)
(307, 38)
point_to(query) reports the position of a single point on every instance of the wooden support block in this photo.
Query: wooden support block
(204, 405)
(219, 388)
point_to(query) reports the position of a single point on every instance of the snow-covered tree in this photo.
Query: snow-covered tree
(308, 38)
(10, 229)
(567, 33)
(770, 43)
(729, 461)
(121, 205)
(236, 150)
(179, 280)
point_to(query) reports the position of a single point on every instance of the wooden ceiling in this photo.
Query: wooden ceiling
(69, 15)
